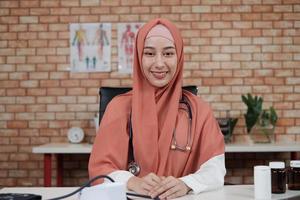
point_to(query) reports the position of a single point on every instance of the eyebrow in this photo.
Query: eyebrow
(165, 48)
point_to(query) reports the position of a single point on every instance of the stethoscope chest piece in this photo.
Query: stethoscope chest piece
(134, 168)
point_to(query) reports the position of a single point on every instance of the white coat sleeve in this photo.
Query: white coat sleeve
(210, 176)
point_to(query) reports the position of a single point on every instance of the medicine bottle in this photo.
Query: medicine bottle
(278, 177)
(294, 175)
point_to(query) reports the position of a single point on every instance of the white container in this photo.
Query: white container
(262, 182)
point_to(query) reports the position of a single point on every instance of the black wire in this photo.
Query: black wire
(87, 184)
(83, 186)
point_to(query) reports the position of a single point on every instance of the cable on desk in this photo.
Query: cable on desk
(88, 183)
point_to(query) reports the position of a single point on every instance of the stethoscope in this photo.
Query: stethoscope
(133, 167)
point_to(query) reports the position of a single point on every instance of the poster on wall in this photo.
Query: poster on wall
(126, 39)
(90, 46)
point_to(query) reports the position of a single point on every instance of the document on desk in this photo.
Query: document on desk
(106, 191)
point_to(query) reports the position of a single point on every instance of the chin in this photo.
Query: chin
(159, 85)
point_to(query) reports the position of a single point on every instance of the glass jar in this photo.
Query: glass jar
(278, 177)
(294, 175)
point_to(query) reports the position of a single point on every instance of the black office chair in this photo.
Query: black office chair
(108, 93)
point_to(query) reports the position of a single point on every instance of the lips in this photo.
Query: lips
(159, 74)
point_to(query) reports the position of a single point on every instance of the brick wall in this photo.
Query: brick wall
(232, 47)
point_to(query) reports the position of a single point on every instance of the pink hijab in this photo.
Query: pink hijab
(154, 118)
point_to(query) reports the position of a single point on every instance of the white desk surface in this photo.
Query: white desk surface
(229, 192)
(84, 148)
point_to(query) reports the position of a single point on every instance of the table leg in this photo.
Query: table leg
(47, 170)
(59, 175)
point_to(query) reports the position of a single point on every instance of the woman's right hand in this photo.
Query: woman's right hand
(143, 185)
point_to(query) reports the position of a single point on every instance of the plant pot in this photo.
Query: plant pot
(262, 134)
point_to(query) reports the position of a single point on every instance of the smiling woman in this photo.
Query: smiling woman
(159, 61)
(177, 144)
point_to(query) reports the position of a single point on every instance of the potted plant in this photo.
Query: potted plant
(260, 122)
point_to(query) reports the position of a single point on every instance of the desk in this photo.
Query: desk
(228, 192)
(58, 149)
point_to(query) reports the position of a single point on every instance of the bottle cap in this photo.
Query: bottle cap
(276, 165)
(295, 163)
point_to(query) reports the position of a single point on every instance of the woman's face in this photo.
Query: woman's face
(159, 61)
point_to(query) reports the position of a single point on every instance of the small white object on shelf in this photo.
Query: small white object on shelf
(75, 135)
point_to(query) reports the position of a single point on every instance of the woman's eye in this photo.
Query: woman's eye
(168, 54)
(148, 53)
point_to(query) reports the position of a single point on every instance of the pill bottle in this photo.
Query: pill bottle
(294, 175)
(278, 177)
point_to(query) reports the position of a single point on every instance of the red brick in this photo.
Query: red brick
(28, 19)
(36, 59)
(25, 51)
(45, 116)
(76, 107)
(50, 3)
(56, 108)
(69, 3)
(262, 8)
(271, 16)
(25, 100)
(49, 19)
(17, 124)
(9, 4)
(59, 11)
(56, 91)
(58, 124)
(70, 83)
(20, 141)
(283, 106)
(9, 20)
(15, 92)
(56, 59)
(100, 10)
(29, 84)
(210, 17)
(76, 91)
(38, 75)
(291, 16)
(39, 11)
(36, 92)
(273, 32)
(66, 99)
(90, 2)
(15, 108)
(9, 84)
(65, 116)
(15, 59)
(17, 27)
(38, 108)
(68, 19)
(239, 8)
(153, 2)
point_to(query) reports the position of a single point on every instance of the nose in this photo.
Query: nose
(159, 61)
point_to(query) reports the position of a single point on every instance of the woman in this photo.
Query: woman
(175, 155)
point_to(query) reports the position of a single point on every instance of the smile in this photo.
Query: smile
(159, 74)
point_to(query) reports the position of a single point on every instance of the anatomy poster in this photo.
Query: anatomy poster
(90, 45)
(126, 40)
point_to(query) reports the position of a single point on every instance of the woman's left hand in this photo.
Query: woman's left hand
(169, 188)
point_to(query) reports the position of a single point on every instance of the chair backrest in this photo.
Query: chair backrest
(108, 93)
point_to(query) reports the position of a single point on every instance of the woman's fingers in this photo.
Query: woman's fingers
(164, 185)
(152, 179)
(170, 187)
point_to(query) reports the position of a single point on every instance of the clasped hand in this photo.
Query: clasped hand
(153, 185)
